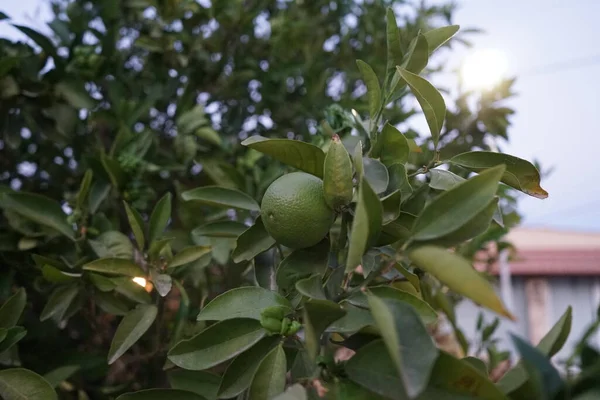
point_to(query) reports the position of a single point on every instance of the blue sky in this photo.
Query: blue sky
(556, 111)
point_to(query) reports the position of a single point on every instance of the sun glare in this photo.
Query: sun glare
(140, 281)
(484, 69)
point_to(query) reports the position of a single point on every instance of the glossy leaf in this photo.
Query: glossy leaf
(13, 307)
(454, 208)
(366, 225)
(112, 244)
(60, 374)
(427, 314)
(409, 345)
(458, 274)
(221, 197)
(239, 374)
(357, 159)
(229, 229)
(134, 292)
(269, 380)
(460, 377)
(337, 175)
(431, 102)
(23, 384)
(392, 146)
(84, 188)
(41, 40)
(376, 174)
(373, 88)
(40, 209)
(202, 383)
(372, 368)
(393, 45)
(242, 302)
(58, 302)
(356, 318)
(444, 180)
(13, 336)
(252, 242)
(437, 37)
(188, 255)
(317, 316)
(302, 263)
(159, 218)
(110, 303)
(417, 56)
(216, 344)
(311, 287)
(114, 266)
(297, 154)
(130, 330)
(391, 206)
(98, 192)
(137, 225)
(519, 174)
(399, 180)
(161, 394)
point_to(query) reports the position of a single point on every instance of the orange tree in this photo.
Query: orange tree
(225, 304)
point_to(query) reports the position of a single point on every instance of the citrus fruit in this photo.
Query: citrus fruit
(294, 211)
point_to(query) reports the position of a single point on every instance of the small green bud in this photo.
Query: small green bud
(293, 328)
(276, 312)
(272, 325)
(285, 324)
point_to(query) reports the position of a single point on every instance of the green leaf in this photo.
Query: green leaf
(252, 242)
(458, 274)
(427, 314)
(399, 180)
(366, 225)
(373, 88)
(202, 383)
(216, 344)
(355, 319)
(137, 225)
(514, 381)
(242, 302)
(84, 188)
(460, 377)
(130, 330)
(134, 292)
(417, 56)
(391, 206)
(394, 49)
(311, 287)
(337, 175)
(104, 283)
(158, 246)
(191, 120)
(476, 226)
(372, 368)
(296, 392)
(357, 158)
(55, 275)
(58, 302)
(113, 169)
(304, 156)
(431, 102)
(41, 40)
(159, 218)
(228, 229)
(163, 283)
(269, 380)
(437, 37)
(240, 373)
(538, 364)
(75, 94)
(161, 394)
(114, 266)
(317, 316)
(454, 208)
(221, 197)
(478, 364)
(111, 304)
(376, 174)
(40, 209)
(112, 244)
(408, 342)
(98, 193)
(187, 255)
(11, 310)
(22, 384)
(60, 374)
(444, 180)
(302, 263)
(13, 336)
(519, 174)
(3, 16)
(391, 147)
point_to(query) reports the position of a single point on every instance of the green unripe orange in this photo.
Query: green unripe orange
(294, 210)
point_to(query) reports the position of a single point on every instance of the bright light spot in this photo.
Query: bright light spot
(140, 281)
(484, 69)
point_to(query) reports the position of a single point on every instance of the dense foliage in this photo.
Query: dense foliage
(138, 140)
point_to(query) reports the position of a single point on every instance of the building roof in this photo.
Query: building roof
(554, 252)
